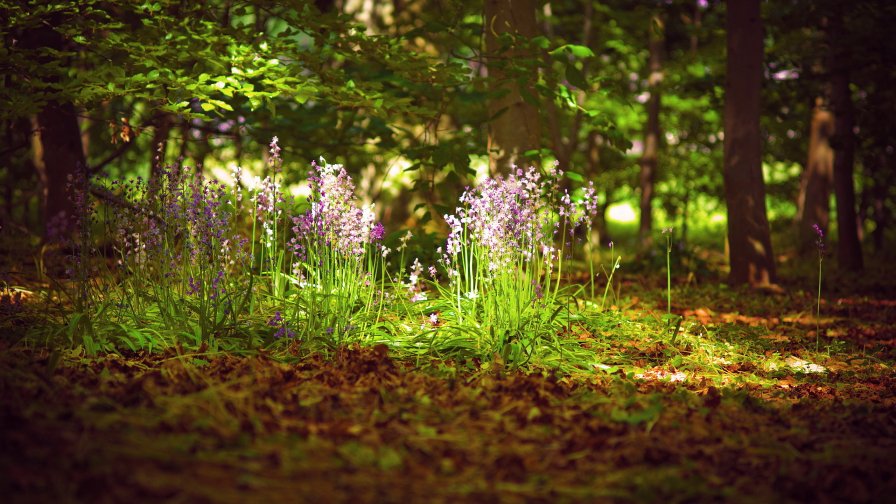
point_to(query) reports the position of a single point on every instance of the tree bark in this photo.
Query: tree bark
(514, 125)
(814, 204)
(750, 248)
(62, 156)
(58, 148)
(875, 196)
(652, 131)
(159, 147)
(849, 248)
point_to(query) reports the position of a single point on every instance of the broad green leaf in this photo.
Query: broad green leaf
(579, 51)
(571, 175)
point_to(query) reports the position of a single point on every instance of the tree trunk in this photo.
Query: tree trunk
(592, 170)
(63, 155)
(159, 147)
(514, 126)
(651, 131)
(875, 196)
(59, 151)
(814, 204)
(849, 249)
(750, 248)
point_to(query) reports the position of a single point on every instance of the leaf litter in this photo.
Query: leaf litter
(734, 408)
(364, 426)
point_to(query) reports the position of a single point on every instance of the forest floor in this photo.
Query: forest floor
(783, 422)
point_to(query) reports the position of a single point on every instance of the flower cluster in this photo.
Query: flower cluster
(283, 330)
(819, 239)
(178, 227)
(414, 285)
(335, 220)
(505, 216)
(513, 219)
(275, 160)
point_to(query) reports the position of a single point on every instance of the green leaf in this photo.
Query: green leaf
(571, 175)
(222, 104)
(579, 51)
(566, 96)
(541, 41)
(697, 70)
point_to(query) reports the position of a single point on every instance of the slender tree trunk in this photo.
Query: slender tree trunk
(750, 248)
(849, 249)
(514, 127)
(593, 168)
(159, 147)
(814, 204)
(651, 131)
(564, 148)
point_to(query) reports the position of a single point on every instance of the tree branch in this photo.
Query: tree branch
(91, 170)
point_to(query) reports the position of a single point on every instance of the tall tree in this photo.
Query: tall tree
(849, 249)
(814, 204)
(652, 133)
(59, 151)
(750, 249)
(514, 127)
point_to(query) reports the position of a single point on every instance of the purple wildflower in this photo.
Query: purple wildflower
(378, 232)
(335, 219)
(415, 289)
(283, 330)
(506, 216)
(275, 160)
(819, 238)
(194, 287)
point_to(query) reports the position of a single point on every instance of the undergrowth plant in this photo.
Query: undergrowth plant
(83, 290)
(819, 245)
(270, 225)
(201, 262)
(338, 260)
(667, 233)
(614, 265)
(504, 258)
(181, 260)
